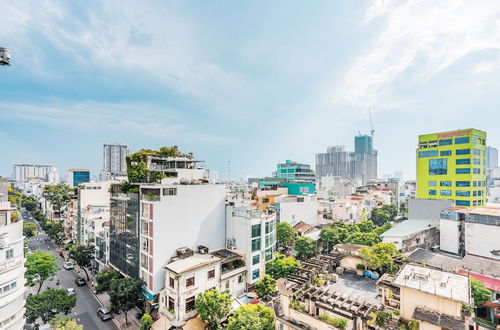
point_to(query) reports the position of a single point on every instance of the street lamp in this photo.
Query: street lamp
(4, 56)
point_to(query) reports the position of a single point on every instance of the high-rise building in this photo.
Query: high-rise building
(451, 165)
(11, 270)
(491, 157)
(25, 172)
(294, 171)
(77, 176)
(114, 160)
(359, 165)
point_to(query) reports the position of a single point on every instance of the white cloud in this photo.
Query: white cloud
(420, 38)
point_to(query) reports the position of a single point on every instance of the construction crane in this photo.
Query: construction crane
(372, 131)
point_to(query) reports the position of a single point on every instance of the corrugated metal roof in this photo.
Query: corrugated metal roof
(409, 227)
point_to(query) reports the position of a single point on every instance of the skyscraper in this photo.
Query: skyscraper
(114, 160)
(491, 157)
(335, 162)
(77, 176)
(24, 172)
(451, 165)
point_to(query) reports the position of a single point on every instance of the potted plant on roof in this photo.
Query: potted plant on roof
(360, 269)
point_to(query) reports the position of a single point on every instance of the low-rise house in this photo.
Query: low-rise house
(293, 209)
(192, 273)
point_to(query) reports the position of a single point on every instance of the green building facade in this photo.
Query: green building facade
(452, 166)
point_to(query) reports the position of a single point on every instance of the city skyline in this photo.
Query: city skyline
(210, 79)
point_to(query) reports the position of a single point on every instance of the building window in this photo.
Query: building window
(475, 171)
(432, 183)
(462, 203)
(241, 278)
(462, 152)
(476, 152)
(474, 193)
(211, 274)
(269, 254)
(189, 304)
(445, 153)
(255, 274)
(427, 153)
(9, 254)
(255, 231)
(462, 193)
(462, 171)
(445, 142)
(190, 282)
(438, 166)
(171, 282)
(255, 259)
(463, 183)
(3, 219)
(256, 244)
(171, 305)
(269, 240)
(432, 192)
(269, 227)
(169, 191)
(476, 161)
(227, 285)
(445, 183)
(445, 192)
(462, 140)
(462, 161)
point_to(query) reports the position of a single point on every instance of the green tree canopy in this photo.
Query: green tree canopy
(306, 247)
(29, 203)
(380, 217)
(54, 230)
(380, 256)
(124, 293)
(39, 267)
(479, 292)
(65, 323)
(82, 254)
(265, 287)
(29, 229)
(333, 235)
(138, 172)
(252, 317)
(282, 266)
(212, 306)
(146, 322)
(104, 278)
(58, 195)
(369, 239)
(48, 304)
(285, 233)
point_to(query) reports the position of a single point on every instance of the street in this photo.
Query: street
(86, 303)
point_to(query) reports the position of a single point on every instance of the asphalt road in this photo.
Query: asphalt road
(86, 303)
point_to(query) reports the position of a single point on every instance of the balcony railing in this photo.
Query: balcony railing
(11, 264)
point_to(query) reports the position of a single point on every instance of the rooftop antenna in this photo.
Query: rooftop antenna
(229, 171)
(372, 131)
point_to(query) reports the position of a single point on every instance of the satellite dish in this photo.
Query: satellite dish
(4, 56)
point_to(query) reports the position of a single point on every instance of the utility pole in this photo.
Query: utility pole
(4, 56)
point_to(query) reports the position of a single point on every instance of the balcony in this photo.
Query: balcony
(232, 268)
(10, 264)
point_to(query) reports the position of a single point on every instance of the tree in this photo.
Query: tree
(48, 304)
(138, 172)
(282, 266)
(14, 216)
(369, 238)
(104, 278)
(146, 322)
(54, 230)
(380, 256)
(39, 267)
(380, 217)
(29, 203)
(391, 210)
(265, 287)
(479, 292)
(29, 229)
(365, 226)
(252, 317)
(285, 233)
(124, 293)
(58, 195)
(305, 246)
(65, 323)
(82, 254)
(212, 306)
(333, 235)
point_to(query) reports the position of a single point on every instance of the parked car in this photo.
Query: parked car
(80, 281)
(104, 314)
(68, 265)
(70, 291)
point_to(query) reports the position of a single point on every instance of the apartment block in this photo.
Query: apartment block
(77, 176)
(293, 209)
(27, 172)
(294, 171)
(451, 165)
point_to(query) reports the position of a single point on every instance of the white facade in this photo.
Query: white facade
(186, 278)
(174, 216)
(253, 232)
(449, 239)
(337, 186)
(12, 281)
(482, 239)
(293, 209)
(26, 172)
(114, 160)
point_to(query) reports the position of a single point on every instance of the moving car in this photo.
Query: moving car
(104, 314)
(68, 265)
(80, 281)
(70, 291)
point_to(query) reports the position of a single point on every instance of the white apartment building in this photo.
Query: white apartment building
(190, 274)
(12, 270)
(174, 215)
(253, 232)
(26, 172)
(293, 209)
(114, 165)
(336, 186)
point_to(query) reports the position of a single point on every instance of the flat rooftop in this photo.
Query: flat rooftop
(409, 227)
(357, 287)
(435, 282)
(188, 264)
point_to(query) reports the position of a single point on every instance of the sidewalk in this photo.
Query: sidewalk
(103, 299)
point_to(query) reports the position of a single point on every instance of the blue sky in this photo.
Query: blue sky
(255, 82)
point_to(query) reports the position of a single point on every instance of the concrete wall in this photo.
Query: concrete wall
(480, 239)
(449, 235)
(294, 212)
(427, 208)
